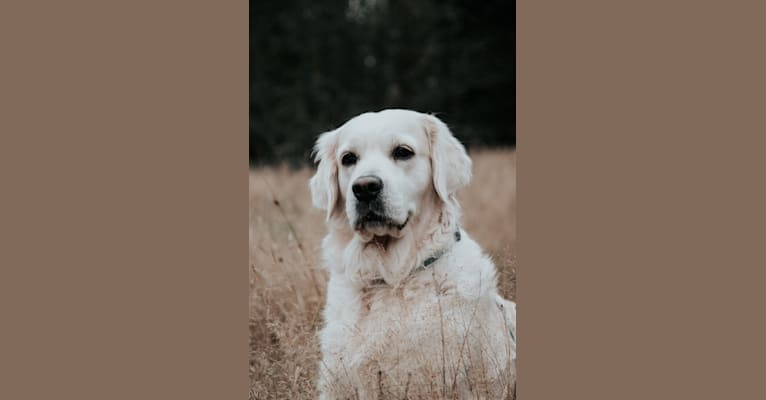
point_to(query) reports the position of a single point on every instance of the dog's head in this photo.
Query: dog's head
(379, 169)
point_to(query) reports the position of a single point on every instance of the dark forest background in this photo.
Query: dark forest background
(315, 64)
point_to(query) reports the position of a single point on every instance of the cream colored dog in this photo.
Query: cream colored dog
(412, 304)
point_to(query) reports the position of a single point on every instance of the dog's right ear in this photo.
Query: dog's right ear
(450, 163)
(324, 183)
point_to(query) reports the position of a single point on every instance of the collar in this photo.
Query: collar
(427, 263)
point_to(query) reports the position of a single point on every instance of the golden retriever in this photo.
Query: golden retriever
(412, 304)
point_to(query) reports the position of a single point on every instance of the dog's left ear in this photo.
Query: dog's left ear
(450, 164)
(324, 183)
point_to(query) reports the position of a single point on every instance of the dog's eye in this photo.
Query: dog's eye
(348, 159)
(402, 153)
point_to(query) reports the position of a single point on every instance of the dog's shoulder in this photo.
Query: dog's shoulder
(470, 269)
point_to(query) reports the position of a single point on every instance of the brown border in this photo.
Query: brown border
(640, 129)
(124, 212)
(124, 169)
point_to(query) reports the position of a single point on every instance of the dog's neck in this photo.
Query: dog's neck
(393, 259)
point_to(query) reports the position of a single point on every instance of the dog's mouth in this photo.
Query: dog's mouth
(374, 221)
(378, 230)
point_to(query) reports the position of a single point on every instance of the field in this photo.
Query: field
(287, 285)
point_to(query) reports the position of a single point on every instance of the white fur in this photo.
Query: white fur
(440, 331)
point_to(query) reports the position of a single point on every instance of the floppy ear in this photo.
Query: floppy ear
(324, 183)
(450, 164)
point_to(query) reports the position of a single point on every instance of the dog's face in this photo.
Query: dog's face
(379, 169)
(384, 171)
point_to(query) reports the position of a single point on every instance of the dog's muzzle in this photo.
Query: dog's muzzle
(373, 215)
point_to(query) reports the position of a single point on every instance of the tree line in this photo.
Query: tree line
(315, 64)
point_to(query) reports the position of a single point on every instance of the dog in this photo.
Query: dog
(412, 309)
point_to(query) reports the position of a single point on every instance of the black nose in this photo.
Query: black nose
(367, 188)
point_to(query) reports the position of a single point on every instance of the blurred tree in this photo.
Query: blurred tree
(313, 65)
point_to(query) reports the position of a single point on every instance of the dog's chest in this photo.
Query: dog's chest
(414, 329)
(391, 322)
(412, 300)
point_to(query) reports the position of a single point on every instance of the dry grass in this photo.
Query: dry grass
(287, 285)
